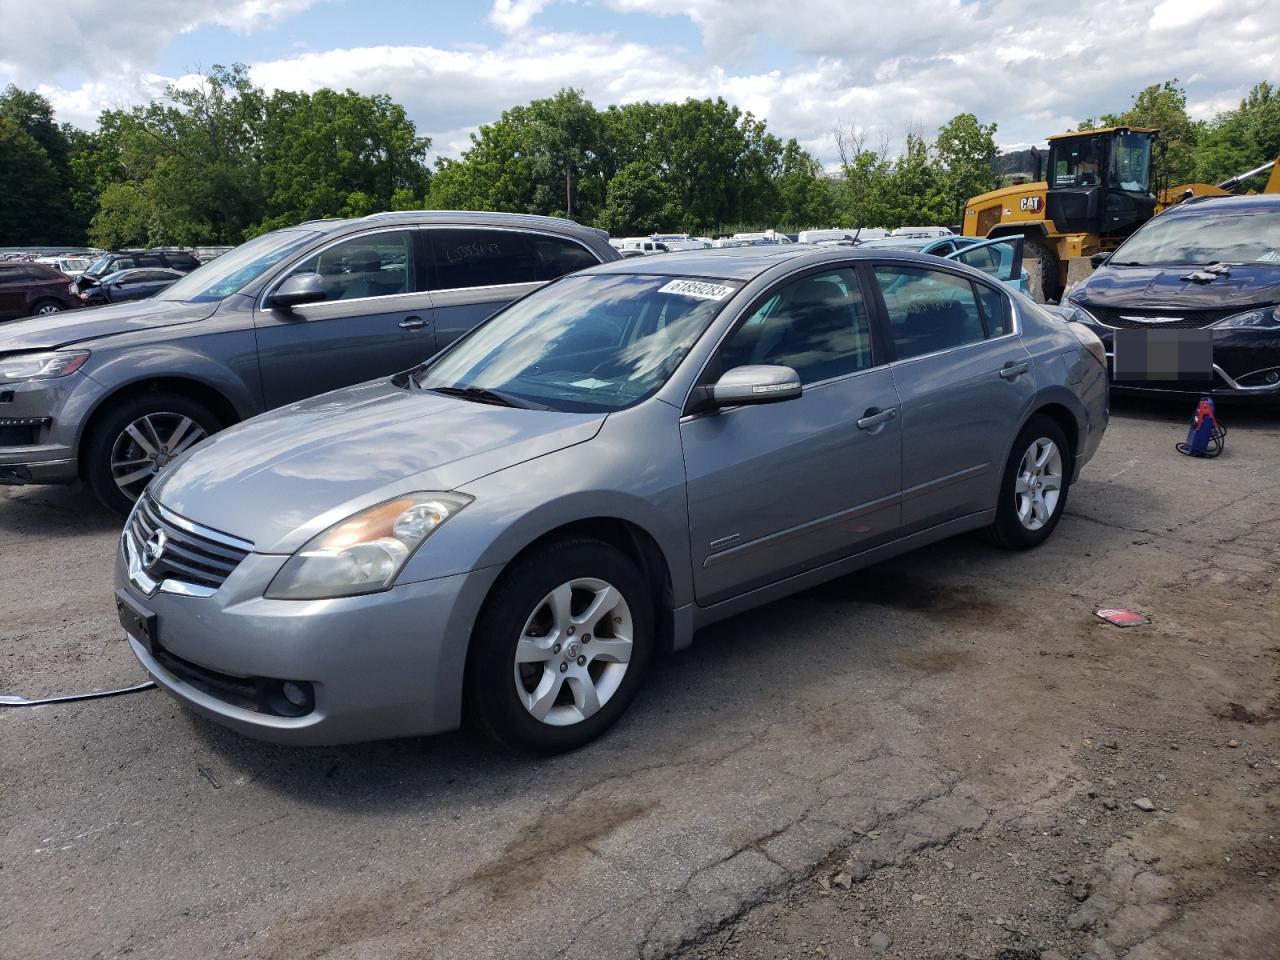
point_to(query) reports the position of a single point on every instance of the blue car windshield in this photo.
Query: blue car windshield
(224, 276)
(592, 343)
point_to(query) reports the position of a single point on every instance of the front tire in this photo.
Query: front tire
(560, 648)
(1033, 492)
(43, 308)
(1035, 248)
(136, 438)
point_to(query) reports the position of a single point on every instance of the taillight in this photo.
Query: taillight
(1089, 340)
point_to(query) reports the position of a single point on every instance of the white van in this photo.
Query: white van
(920, 233)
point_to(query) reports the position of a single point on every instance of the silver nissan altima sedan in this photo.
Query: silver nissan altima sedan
(514, 529)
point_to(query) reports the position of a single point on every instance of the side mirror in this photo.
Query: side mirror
(300, 289)
(1098, 259)
(756, 384)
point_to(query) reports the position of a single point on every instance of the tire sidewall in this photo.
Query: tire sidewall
(491, 692)
(40, 304)
(1009, 530)
(97, 451)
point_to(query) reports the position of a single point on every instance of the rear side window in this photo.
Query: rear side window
(556, 257)
(482, 258)
(182, 261)
(150, 262)
(995, 310)
(929, 310)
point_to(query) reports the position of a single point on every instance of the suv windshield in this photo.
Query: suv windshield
(224, 276)
(100, 266)
(1206, 236)
(584, 344)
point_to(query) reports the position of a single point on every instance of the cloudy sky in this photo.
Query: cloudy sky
(805, 65)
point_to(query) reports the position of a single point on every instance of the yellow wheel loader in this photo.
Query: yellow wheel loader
(1096, 191)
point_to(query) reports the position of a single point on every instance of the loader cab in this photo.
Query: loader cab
(1099, 181)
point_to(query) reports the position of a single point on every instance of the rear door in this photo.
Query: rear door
(777, 489)
(376, 321)
(479, 270)
(964, 380)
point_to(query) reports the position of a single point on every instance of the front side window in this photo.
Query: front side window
(928, 310)
(481, 258)
(817, 325)
(371, 265)
(237, 268)
(1203, 237)
(556, 257)
(1076, 162)
(594, 343)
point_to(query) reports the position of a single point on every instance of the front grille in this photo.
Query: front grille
(1185, 319)
(192, 554)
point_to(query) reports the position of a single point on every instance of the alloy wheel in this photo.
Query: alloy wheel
(147, 445)
(47, 309)
(1038, 485)
(573, 652)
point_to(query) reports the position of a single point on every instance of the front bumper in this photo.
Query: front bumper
(39, 429)
(383, 665)
(1243, 362)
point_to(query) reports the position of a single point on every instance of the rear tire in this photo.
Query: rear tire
(1033, 498)
(1035, 248)
(164, 426)
(560, 648)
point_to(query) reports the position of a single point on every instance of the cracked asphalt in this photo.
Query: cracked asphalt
(937, 757)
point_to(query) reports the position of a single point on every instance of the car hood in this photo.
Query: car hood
(81, 326)
(280, 478)
(1158, 288)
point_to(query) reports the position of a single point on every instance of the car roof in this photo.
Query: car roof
(477, 217)
(747, 263)
(1229, 201)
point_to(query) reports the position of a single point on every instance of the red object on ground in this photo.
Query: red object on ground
(1123, 618)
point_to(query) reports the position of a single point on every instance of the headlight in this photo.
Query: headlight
(1072, 311)
(41, 366)
(365, 552)
(1264, 318)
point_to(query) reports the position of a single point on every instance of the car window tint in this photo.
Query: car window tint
(481, 258)
(556, 257)
(817, 325)
(928, 310)
(150, 262)
(372, 265)
(942, 249)
(124, 264)
(995, 309)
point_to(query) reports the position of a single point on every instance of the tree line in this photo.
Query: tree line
(223, 160)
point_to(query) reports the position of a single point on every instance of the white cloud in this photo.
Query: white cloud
(804, 66)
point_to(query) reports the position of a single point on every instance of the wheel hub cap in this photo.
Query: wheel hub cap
(573, 652)
(1038, 484)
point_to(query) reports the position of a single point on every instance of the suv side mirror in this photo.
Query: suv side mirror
(756, 384)
(1098, 259)
(299, 289)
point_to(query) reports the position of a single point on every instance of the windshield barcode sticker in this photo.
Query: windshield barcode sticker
(697, 288)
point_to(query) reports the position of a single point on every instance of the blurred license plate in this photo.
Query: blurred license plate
(137, 622)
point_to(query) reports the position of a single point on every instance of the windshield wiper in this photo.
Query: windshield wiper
(485, 395)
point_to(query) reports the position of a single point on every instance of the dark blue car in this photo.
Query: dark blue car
(124, 285)
(1210, 264)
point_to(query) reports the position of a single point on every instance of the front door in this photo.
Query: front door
(780, 488)
(964, 380)
(376, 321)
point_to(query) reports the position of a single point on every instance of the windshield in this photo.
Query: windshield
(1131, 162)
(99, 266)
(226, 275)
(1227, 236)
(584, 344)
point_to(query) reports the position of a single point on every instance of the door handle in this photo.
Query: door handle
(412, 323)
(875, 417)
(1012, 370)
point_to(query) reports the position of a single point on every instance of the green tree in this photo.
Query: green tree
(966, 153)
(1164, 105)
(43, 144)
(805, 198)
(127, 217)
(30, 189)
(1241, 139)
(638, 201)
